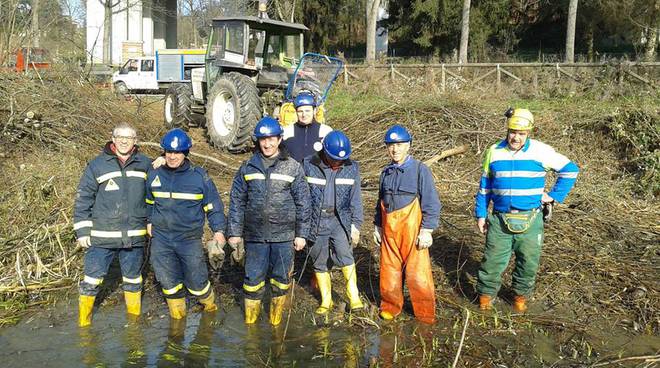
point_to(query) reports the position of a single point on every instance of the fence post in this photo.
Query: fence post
(499, 79)
(345, 75)
(392, 72)
(443, 78)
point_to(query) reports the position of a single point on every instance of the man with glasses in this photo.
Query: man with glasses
(110, 219)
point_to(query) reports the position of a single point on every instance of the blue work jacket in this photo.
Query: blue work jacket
(179, 200)
(400, 184)
(109, 204)
(304, 140)
(348, 197)
(269, 204)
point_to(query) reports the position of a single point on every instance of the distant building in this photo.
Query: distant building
(139, 27)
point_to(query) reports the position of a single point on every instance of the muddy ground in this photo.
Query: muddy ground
(596, 301)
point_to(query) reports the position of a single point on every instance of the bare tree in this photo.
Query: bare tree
(570, 31)
(372, 17)
(652, 32)
(465, 33)
(35, 23)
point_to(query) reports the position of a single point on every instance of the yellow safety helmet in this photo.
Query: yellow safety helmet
(519, 119)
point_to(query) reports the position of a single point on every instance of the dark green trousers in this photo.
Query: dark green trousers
(500, 243)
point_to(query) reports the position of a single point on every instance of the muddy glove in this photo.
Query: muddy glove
(378, 234)
(216, 253)
(238, 251)
(547, 211)
(424, 239)
(85, 242)
(355, 235)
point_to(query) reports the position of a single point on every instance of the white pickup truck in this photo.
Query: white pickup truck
(153, 74)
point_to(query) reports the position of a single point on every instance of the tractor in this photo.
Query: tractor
(252, 66)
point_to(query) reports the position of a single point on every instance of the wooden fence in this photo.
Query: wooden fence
(448, 77)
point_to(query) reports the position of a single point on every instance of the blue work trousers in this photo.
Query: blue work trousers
(180, 264)
(262, 259)
(97, 263)
(332, 246)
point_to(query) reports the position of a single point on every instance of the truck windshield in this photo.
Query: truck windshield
(284, 51)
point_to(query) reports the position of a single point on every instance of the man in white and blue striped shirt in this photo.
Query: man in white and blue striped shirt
(513, 178)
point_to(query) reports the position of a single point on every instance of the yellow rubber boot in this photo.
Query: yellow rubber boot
(85, 308)
(177, 308)
(351, 287)
(133, 302)
(325, 287)
(209, 302)
(276, 309)
(252, 309)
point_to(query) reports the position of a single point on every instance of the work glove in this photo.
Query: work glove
(424, 239)
(378, 234)
(85, 242)
(238, 252)
(216, 253)
(355, 235)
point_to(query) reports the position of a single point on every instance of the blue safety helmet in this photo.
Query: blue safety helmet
(397, 134)
(267, 127)
(304, 99)
(336, 145)
(176, 140)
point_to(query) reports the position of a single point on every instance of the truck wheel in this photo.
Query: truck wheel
(176, 111)
(232, 111)
(121, 89)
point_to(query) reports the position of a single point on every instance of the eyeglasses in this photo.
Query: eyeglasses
(124, 138)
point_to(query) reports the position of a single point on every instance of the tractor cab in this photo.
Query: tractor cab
(264, 49)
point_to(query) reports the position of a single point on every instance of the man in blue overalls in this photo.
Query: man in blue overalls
(180, 197)
(269, 210)
(334, 182)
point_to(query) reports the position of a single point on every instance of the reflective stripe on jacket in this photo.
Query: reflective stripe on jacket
(269, 204)
(348, 197)
(109, 204)
(180, 199)
(516, 179)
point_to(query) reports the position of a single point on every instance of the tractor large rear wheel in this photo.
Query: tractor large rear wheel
(177, 112)
(232, 111)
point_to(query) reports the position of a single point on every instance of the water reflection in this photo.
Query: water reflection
(175, 353)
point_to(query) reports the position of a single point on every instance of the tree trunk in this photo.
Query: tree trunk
(570, 31)
(652, 38)
(465, 33)
(107, 32)
(372, 17)
(590, 42)
(35, 23)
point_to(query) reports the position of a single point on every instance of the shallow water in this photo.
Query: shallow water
(203, 339)
(51, 338)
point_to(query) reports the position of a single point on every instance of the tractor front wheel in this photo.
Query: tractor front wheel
(232, 111)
